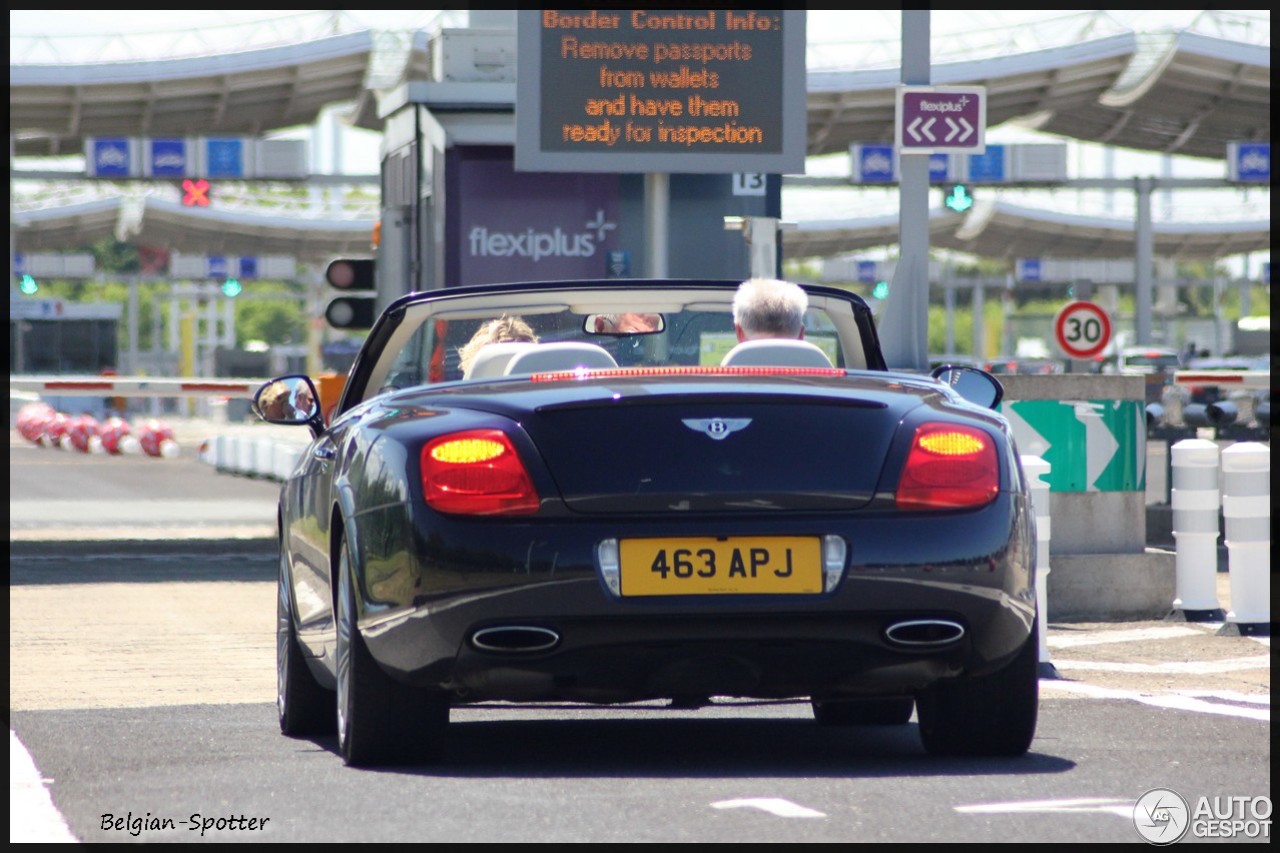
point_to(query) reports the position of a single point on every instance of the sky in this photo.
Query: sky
(865, 38)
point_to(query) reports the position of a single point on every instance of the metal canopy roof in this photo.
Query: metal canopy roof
(52, 108)
(1172, 93)
(157, 222)
(1176, 92)
(997, 229)
(993, 229)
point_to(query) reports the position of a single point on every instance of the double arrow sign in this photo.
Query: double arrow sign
(922, 129)
(941, 119)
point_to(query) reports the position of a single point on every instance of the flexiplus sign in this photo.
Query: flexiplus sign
(1090, 445)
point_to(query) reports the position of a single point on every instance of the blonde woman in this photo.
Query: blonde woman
(505, 329)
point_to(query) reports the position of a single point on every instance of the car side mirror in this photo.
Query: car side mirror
(287, 400)
(975, 385)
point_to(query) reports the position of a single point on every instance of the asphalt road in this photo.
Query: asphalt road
(142, 687)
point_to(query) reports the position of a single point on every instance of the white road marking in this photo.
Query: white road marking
(1104, 805)
(1205, 667)
(1096, 638)
(32, 815)
(1183, 702)
(772, 805)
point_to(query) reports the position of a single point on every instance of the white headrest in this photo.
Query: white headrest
(491, 361)
(775, 352)
(559, 355)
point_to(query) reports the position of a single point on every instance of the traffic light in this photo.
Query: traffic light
(231, 287)
(29, 285)
(881, 290)
(195, 193)
(958, 198)
(357, 307)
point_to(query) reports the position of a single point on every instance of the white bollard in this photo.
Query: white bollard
(286, 459)
(1246, 520)
(1036, 469)
(1195, 504)
(264, 451)
(242, 449)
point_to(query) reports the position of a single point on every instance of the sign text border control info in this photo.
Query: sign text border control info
(530, 156)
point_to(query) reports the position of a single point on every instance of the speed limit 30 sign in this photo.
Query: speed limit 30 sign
(1082, 329)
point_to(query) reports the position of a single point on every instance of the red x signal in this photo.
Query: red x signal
(195, 193)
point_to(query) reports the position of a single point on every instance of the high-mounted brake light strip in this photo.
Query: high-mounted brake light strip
(681, 370)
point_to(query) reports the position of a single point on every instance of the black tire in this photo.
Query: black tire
(380, 720)
(891, 711)
(306, 709)
(994, 715)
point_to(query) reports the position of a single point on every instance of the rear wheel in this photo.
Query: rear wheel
(305, 708)
(994, 715)
(380, 720)
(892, 711)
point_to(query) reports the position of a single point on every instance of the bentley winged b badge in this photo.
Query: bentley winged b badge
(717, 428)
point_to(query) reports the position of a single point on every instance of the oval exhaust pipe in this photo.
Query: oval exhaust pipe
(515, 638)
(924, 632)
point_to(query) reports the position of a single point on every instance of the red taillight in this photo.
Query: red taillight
(949, 466)
(476, 472)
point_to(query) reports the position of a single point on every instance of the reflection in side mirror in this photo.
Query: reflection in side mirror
(287, 400)
(624, 324)
(976, 386)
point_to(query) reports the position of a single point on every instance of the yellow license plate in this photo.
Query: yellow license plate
(721, 566)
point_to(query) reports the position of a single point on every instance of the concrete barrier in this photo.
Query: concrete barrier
(1091, 430)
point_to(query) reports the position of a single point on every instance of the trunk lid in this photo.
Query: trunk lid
(708, 445)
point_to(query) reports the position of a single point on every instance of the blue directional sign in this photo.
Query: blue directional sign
(111, 157)
(19, 263)
(217, 266)
(988, 166)
(168, 158)
(1028, 269)
(225, 158)
(1250, 161)
(938, 167)
(876, 164)
(248, 267)
(868, 271)
(618, 264)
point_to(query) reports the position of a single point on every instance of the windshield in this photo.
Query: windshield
(437, 351)
(440, 339)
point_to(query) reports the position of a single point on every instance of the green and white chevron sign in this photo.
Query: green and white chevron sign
(1090, 445)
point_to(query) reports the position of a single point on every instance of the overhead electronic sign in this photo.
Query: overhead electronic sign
(660, 90)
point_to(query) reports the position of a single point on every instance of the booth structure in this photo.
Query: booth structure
(1091, 430)
(480, 185)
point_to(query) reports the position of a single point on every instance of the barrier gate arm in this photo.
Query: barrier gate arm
(134, 386)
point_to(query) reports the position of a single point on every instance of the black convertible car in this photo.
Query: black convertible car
(638, 511)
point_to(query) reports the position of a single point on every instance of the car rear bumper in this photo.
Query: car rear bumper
(526, 615)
